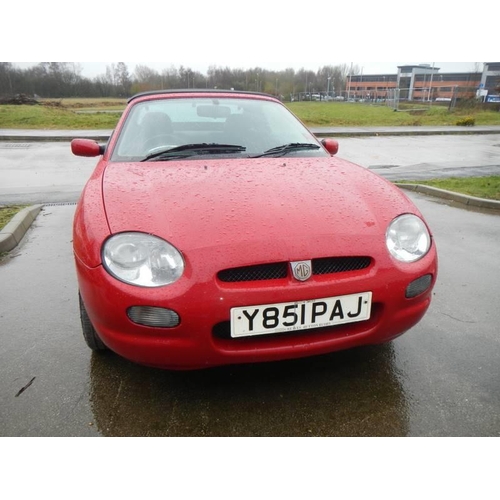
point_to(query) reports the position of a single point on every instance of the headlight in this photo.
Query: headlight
(407, 238)
(141, 259)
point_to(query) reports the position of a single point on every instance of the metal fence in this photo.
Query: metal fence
(412, 98)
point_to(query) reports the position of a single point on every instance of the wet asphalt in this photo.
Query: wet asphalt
(47, 172)
(441, 378)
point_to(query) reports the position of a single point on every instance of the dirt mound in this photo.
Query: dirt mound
(18, 99)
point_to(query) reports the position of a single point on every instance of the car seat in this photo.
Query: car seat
(156, 130)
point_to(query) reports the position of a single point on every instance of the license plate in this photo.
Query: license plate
(293, 316)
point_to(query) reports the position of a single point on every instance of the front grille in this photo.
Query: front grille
(255, 273)
(279, 270)
(333, 265)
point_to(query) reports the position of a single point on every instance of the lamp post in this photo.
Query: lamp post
(328, 87)
(430, 84)
(350, 80)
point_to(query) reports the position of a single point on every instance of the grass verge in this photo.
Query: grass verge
(479, 187)
(62, 114)
(53, 118)
(6, 214)
(369, 115)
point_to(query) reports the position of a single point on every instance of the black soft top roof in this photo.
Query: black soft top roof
(197, 91)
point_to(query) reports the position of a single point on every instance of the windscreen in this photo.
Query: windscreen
(257, 125)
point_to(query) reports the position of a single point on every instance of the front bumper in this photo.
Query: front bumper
(201, 340)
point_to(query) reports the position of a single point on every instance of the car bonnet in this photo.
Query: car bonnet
(277, 205)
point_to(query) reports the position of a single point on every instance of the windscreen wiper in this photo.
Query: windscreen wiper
(287, 148)
(194, 149)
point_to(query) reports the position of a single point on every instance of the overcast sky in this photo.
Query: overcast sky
(272, 34)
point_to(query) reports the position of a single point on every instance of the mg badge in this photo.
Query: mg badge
(302, 270)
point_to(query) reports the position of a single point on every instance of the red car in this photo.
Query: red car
(216, 229)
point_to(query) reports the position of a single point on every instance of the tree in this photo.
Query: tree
(170, 78)
(6, 70)
(122, 78)
(103, 86)
(146, 79)
(116, 80)
(63, 79)
(111, 74)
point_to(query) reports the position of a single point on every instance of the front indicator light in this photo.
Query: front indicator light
(418, 286)
(157, 317)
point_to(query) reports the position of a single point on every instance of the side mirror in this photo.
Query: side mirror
(331, 146)
(86, 147)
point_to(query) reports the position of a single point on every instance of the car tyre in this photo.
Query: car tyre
(89, 334)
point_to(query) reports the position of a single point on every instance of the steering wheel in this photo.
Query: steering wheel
(159, 140)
